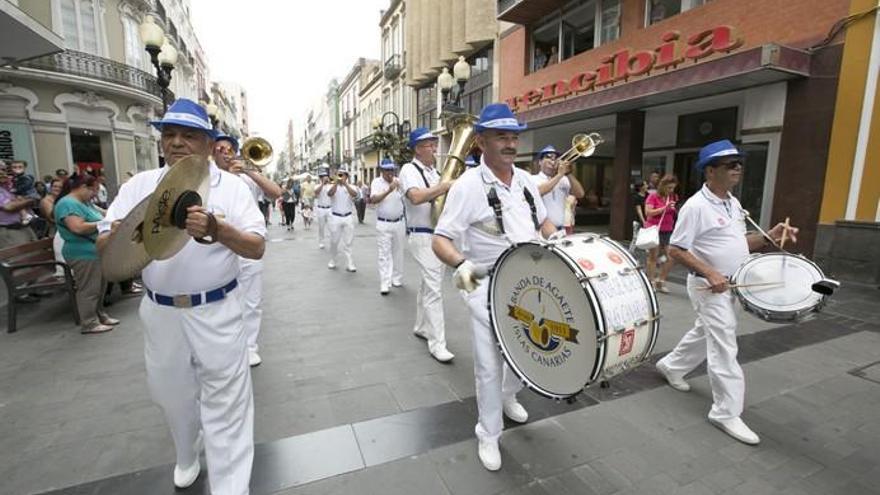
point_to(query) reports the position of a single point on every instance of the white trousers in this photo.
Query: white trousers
(198, 374)
(712, 338)
(341, 237)
(250, 281)
(390, 243)
(429, 300)
(494, 379)
(321, 215)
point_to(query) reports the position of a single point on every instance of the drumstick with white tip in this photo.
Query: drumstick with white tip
(746, 286)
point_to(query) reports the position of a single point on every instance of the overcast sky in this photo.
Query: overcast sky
(284, 53)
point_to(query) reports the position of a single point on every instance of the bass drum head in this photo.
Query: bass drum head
(543, 321)
(794, 296)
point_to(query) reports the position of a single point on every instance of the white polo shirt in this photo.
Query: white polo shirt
(256, 191)
(197, 267)
(417, 215)
(391, 208)
(322, 199)
(554, 200)
(467, 215)
(713, 230)
(341, 202)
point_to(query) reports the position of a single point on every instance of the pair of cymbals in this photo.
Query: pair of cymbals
(155, 229)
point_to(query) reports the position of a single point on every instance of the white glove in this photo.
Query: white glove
(467, 274)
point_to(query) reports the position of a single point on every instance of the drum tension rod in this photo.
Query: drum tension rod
(587, 278)
(628, 271)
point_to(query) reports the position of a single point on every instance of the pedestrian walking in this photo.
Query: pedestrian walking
(660, 210)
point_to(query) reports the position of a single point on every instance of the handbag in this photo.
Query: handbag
(649, 237)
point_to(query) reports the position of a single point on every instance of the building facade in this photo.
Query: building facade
(349, 115)
(658, 79)
(368, 119)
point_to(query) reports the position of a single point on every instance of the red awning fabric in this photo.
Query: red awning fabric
(85, 167)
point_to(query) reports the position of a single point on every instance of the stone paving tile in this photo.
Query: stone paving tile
(421, 391)
(462, 473)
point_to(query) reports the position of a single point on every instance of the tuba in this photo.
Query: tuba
(461, 125)
(256, 152)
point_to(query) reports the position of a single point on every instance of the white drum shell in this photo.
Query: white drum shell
(793, 300)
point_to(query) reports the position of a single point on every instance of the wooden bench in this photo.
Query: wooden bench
(30, 267)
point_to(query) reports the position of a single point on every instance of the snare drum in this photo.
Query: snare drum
(570, 312)
(793, 299)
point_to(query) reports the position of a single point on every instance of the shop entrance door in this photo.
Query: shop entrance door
(86, 147)
(689, 180)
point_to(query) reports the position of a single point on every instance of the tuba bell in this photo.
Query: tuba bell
(461, 125)
(256, 152)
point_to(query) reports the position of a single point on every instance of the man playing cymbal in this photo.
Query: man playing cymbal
(195, 348)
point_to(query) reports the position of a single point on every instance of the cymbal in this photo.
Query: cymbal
(186, 184)
(124, 255)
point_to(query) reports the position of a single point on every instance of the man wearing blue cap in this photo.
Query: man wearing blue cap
(490, 207)
(341, 221)
(420, 184)
(251, 277)
(195, 346)
(322, 204)
(385, 193)
(555, 182)
(710, 239)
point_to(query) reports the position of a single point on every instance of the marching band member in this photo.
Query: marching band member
(195, 348)
(710, 239)
(420, 184)
(341, 221)
(385, 192)
(322, 204)
(492, 207)
(251, 277)
(555, 182)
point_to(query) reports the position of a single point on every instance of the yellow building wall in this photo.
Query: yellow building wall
(869, 194)
(848, 110)
(51, 152)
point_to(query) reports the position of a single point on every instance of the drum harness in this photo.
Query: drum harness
(498, 209)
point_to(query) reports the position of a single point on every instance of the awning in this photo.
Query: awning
(755, 67)
(22, 37)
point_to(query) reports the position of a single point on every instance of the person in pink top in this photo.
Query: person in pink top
(660, 210)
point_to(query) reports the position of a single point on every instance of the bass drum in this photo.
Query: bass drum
(569, 312)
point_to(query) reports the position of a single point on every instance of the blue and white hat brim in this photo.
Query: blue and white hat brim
(185, 120)
(503, 124)
(422, 137)
(718, 154)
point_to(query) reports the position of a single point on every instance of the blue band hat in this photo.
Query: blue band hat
(420, 134)
(231, 140)
(323, 172)
(714, 151)
(342, 170)
(548, 150)
(186, 113)
(470, 162)
(387, 164)
(498, 117)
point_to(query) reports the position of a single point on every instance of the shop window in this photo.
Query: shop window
(657, 10)
(579, 26)
(697, 129)
(79, 25)
(134, 50)
(426, 107)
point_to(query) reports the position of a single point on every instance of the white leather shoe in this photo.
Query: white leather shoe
(331, 265)
(321, 246)
(184, 478)
(351, 268)
(675, 380)
(442, 354)
(420, 335)
(254, 358)
(397, 284)
(737, 429)
(384, 291)
(489, 455)
(515, 411)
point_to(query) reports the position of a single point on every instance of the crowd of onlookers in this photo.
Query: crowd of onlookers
(65, 207)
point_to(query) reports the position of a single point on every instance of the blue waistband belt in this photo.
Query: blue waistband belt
(193, 300)
(319, 206)
(342, 214)
(419, 230)
(391, 220)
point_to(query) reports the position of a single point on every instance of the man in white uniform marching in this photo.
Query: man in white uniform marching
(420, 184)
(710, 239)
(322, 204)
(342, 196)
(251, 277)
(195, 348)
(385, 192)
(555, 182)
(491, 207)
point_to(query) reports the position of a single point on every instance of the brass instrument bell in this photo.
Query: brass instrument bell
(256, 152)
(582, 145)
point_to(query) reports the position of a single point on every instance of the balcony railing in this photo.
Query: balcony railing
(364, 145)
(393, 66)
(94, 67)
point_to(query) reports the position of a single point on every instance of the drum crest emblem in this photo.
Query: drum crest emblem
(543, 320)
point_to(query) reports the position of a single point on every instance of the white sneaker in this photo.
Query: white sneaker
(254, 358)
(515, 411)
(351, 268)
(737, 429)
(397, 284)
(331, 265)
(321, 246)
(442, 354)
(384, 291)
(184, 478)
(675, 380)
(420, 334)
(489, 455)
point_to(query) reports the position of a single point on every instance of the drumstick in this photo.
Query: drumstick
(746, 286)
(784, 234)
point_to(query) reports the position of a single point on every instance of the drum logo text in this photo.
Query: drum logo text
(545, 320)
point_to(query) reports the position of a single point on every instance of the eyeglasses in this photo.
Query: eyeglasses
(732, 164)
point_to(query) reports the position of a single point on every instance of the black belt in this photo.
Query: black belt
(390, 220)
(192, 300)
(342, 214)
(320, 206)
(419, 230)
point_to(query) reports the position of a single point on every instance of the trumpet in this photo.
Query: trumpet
(582, 145)
(256, 152)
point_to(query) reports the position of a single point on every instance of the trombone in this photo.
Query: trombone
(582, 146)
(256, 152)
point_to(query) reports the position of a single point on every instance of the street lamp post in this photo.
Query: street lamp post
(163, 55)
(398, 128)
(461, 72)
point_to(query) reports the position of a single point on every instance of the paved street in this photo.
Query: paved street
(349, 402)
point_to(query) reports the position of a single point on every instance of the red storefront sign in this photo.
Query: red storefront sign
(624, 64)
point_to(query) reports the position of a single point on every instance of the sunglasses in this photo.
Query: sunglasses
(732, 164)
